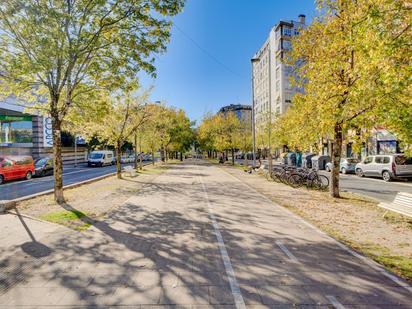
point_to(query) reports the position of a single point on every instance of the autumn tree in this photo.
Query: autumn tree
(346, 60)
(53, 51)
(124, 115)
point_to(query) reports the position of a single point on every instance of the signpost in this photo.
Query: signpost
(47, 132)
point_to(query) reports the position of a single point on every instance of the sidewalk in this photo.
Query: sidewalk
(195, 238)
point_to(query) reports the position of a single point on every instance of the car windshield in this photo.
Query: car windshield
(402, 160)
(96, 155)
(40, 162)
(351, 160)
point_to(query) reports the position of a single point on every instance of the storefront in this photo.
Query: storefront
(24, 134)
(16, 130)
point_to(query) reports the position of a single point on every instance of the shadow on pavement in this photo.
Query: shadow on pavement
(166, 253)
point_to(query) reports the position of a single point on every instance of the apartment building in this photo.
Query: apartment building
(272, 92)
(242, 112)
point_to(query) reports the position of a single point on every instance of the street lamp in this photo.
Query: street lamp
(253, 61)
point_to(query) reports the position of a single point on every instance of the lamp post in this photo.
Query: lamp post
(253, 61)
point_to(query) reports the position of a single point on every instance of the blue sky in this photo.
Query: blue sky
(207, 64)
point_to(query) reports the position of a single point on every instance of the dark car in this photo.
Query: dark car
(43, 167)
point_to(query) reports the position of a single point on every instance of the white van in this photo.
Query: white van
(100, 158)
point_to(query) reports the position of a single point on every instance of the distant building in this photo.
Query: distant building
(242, 112)
(272, 91)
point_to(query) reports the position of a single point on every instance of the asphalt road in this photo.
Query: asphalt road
(375, 188)
(20, 188)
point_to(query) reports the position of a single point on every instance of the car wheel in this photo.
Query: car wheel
(359, 172)
(386, 176)
(1, 179)
(343, 170)
(29, 175)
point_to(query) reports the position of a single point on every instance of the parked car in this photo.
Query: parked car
(100, 158)
(43, 167)
(16, 167)
(147, 157)
(386, 166)
(347, 165)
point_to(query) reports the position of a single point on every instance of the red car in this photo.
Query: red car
(16, 167)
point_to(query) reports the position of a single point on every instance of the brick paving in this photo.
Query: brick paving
(160, 250)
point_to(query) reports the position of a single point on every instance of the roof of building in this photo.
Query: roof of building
(235, 107)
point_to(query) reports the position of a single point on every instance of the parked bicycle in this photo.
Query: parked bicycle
(298, 177)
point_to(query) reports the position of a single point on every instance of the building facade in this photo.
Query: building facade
(242, 112)
(27, 134)
(272, 92)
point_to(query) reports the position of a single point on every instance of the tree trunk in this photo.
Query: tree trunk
(233, 156)
(336, 154)
(153, 158)
(135, 151)
(57, 158)
(226, 155)
(118, 157)
(181, 156)
(270, 165)
(246, 163)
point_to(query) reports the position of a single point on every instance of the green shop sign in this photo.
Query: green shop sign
(15, 118)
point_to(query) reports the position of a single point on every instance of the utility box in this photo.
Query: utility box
(291, 159)
(319, 162)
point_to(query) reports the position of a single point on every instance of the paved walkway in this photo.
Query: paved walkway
(197, 238)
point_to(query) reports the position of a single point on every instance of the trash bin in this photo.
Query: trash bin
(307, 160)
(291, 159)
(298, 159)
(319, 162)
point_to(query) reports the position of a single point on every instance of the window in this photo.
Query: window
(368, 160)
(6, 163)
(402, 160)
(386, 160)
(379, 160)
(15, 129)
(287, 31)
(287, 45)
(288, 97)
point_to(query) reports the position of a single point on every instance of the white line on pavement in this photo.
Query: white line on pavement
(374, 265)
(286, 251)
(334, 302)
(234, 286)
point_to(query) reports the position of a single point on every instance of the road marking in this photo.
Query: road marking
(286, 251)
(374, 265)
(234, 286)
(334, 302)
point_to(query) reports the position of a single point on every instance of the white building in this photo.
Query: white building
(272, 91)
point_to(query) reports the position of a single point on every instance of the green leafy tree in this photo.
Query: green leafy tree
(53, 51)
(347, 62)
(124, 115)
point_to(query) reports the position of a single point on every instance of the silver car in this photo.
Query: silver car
(386, 166)
(347, 165)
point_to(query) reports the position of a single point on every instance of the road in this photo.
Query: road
(195, 237)
(375, 188)
(71, 175)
